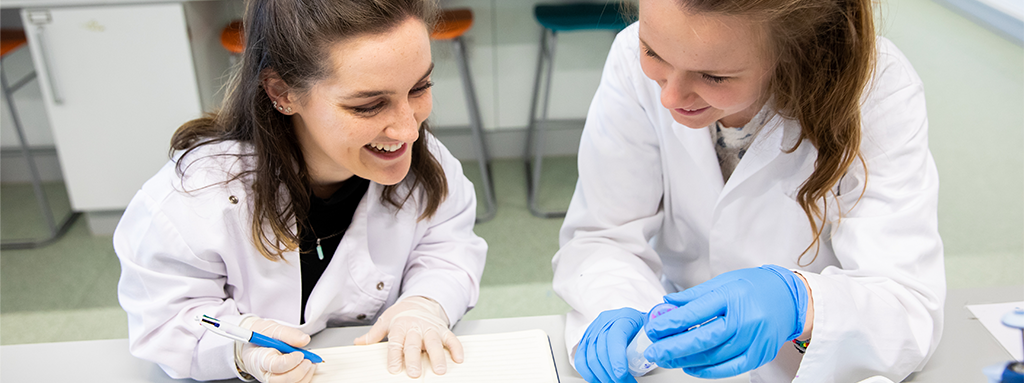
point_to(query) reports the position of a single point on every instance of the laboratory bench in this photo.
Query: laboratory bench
(965, 349)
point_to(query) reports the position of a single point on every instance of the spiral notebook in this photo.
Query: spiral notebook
(522, 356)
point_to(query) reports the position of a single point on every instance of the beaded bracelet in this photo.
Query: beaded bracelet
(801, 345)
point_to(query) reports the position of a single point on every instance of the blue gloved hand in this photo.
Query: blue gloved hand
(758, 309)
(601, 354)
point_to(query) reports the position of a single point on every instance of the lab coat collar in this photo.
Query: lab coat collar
(698, 145)
(777, 135)
(767, 146)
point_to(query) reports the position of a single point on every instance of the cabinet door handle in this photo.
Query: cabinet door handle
(40, 18)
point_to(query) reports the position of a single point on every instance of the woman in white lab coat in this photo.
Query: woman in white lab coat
(763, 165)
(316, 197)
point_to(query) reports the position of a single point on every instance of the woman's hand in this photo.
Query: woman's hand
(757, 309)
(269, 365)
(412, 325)
(601, 354)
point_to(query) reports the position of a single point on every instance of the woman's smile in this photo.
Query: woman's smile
(387, 152)
(691, 112)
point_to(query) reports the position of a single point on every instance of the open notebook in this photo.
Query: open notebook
(522, 356)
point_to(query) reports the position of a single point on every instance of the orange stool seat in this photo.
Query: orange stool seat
(452, 23)
(232, 37)
(10, 40)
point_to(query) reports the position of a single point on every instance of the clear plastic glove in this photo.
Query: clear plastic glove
(601, 354)
(412, 325)
(269, 365)
(758, 310)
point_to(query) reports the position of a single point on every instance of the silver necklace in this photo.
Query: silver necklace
(319, 249)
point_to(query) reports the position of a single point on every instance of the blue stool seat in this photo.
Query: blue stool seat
(578, 16)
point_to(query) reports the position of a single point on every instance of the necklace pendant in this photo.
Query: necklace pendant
(319, 250)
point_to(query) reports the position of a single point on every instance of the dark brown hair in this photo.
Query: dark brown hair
(822, 53)
(291, 38)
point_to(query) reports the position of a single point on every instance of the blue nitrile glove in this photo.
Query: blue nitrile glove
(601, 354)
(758, 310)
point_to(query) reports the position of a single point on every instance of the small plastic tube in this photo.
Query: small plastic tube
(638, 364)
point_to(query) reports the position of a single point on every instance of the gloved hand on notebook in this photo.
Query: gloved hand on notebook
(412, 325)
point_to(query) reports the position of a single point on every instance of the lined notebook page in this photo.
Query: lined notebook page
(522, 356)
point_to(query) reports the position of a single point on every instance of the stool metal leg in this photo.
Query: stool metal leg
(532, 121)
(534, 153)
(476, 125)
(37, 184)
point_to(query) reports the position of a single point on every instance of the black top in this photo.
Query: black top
(329, 218)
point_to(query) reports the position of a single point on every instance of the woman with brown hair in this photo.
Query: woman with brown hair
(316, 197)
(763, 167)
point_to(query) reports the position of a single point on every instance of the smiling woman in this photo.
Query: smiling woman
(380, 97)
(722, 170)
(315, 197)
(701, 82)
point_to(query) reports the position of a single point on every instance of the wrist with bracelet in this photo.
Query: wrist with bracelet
(801, 345)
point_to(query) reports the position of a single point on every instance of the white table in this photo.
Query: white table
(966, 347)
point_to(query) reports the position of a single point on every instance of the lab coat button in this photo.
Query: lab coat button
(380, 285)
(233, 199)
(361, 317)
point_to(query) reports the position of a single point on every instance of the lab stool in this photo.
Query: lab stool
(556, 18)
(11, 40)
(233, 40)
(452, 25)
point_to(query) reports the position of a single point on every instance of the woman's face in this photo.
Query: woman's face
(709, 67)
(363, 119)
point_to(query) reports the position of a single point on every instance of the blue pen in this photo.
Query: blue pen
(240, 334)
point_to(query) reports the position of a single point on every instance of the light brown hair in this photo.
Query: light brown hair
(822, 53)
(292, 38)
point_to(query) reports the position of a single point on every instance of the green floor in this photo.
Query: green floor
(974, 84)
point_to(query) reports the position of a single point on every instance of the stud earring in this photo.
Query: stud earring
(282, 109)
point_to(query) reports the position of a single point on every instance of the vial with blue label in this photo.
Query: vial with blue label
(638, 364)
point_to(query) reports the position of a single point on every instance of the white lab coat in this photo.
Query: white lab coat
(189, 253)
(651, 215)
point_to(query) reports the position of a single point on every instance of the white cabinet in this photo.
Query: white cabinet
(116, 81)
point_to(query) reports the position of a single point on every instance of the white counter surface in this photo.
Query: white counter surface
(966, 348)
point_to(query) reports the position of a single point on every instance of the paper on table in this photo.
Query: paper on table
(991, 316)
(522, 356)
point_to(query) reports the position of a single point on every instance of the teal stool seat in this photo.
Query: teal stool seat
(580, 16)
(555, 19)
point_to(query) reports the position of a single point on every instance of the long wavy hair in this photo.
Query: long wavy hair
(823, 53)
(292, 38)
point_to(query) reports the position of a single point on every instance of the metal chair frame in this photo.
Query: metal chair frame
(57, 229)
(534, 144)
(476, 126)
